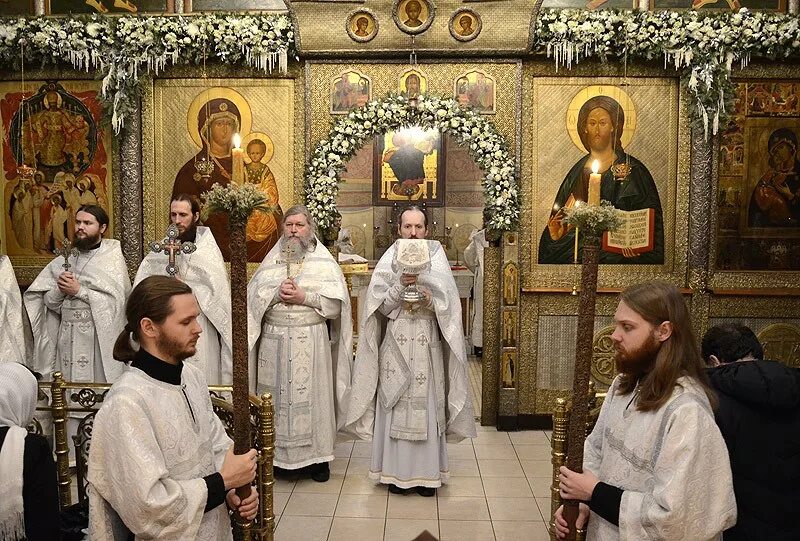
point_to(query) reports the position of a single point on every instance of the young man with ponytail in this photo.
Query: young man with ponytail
(161, 465)
(655, 466)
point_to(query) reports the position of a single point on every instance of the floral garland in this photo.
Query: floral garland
(703, 46)
(237, 201)
(593, 220)
(120, 49)
(487, 147)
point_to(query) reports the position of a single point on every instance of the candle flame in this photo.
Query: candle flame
(237, 140)
(595, 166)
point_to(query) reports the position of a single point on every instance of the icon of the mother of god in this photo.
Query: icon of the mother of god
(217, 120)
(625, 182)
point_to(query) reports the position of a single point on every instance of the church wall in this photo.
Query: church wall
(698, 189)
(767, 300)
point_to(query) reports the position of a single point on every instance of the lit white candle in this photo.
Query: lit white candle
(237, 154)
(594, 184)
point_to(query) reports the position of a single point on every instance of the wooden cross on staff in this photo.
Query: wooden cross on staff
(67, 250)
(172, 246)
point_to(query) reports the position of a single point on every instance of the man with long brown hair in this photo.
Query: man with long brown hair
(161, 465)
(655, 466)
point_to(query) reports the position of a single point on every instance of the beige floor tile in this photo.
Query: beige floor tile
(354, 484)
(507, 487)
(283, 485)
(458, 508)
(537, 468)
(500, 468)
(347, 529)
(492, 437)
(358, 466)
(520, 531)
(460, 530)
(279, 500)
(460, 452)
(549, 434)
(544, 508)
(540, 486)
(361, 506)
(362, 449)
(533, 452)
(343, 450)
(463, 468)
(411, 506)
(311, 505)
(529, 437)
(480, 428)
(338, 465)
(303, 528)
(401, 529)
(331, 486)
(495, 452)
(514, 509)
(462, 486)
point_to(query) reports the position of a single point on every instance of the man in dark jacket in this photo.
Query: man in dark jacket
(759, 417)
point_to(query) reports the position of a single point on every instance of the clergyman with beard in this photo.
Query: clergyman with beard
(76, 314)
(204, 270)
(655, 466)
(161, 463)
(300, 339)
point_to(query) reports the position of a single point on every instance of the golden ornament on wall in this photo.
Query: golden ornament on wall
(362, 25)
(413, 16)
(465, 24)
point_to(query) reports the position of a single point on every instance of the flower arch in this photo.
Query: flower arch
(487, 147)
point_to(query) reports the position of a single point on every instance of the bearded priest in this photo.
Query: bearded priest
(204, 271)
(410, 391)
(300, 339)
(76, 313)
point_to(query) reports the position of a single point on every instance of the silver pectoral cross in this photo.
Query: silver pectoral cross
(67, 251)
(171, 247)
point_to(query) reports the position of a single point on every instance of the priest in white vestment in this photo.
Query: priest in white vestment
(76, 314)
(161, 465)
(297, 291)
(204, 270)
(410, 392)
(473, 257)
(655, 466)
(13, 347)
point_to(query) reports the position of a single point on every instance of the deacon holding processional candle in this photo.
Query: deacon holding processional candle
(410, 392)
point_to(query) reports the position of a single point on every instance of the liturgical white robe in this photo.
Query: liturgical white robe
(473, 257)
(12, 331)
(410, 376)
(293, 357)
(672, 465)
(152, 444)
(204, 271)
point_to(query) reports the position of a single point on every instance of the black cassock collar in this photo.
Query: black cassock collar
(158, 369)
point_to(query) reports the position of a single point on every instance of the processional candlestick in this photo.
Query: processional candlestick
(171, 246)
(67, 250)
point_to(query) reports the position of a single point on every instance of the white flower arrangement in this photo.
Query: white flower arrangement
(237, 201)
(487, 147)
(122, 48)
(702, 46)
(593, 220)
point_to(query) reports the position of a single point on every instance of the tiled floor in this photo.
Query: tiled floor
(498, 490)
